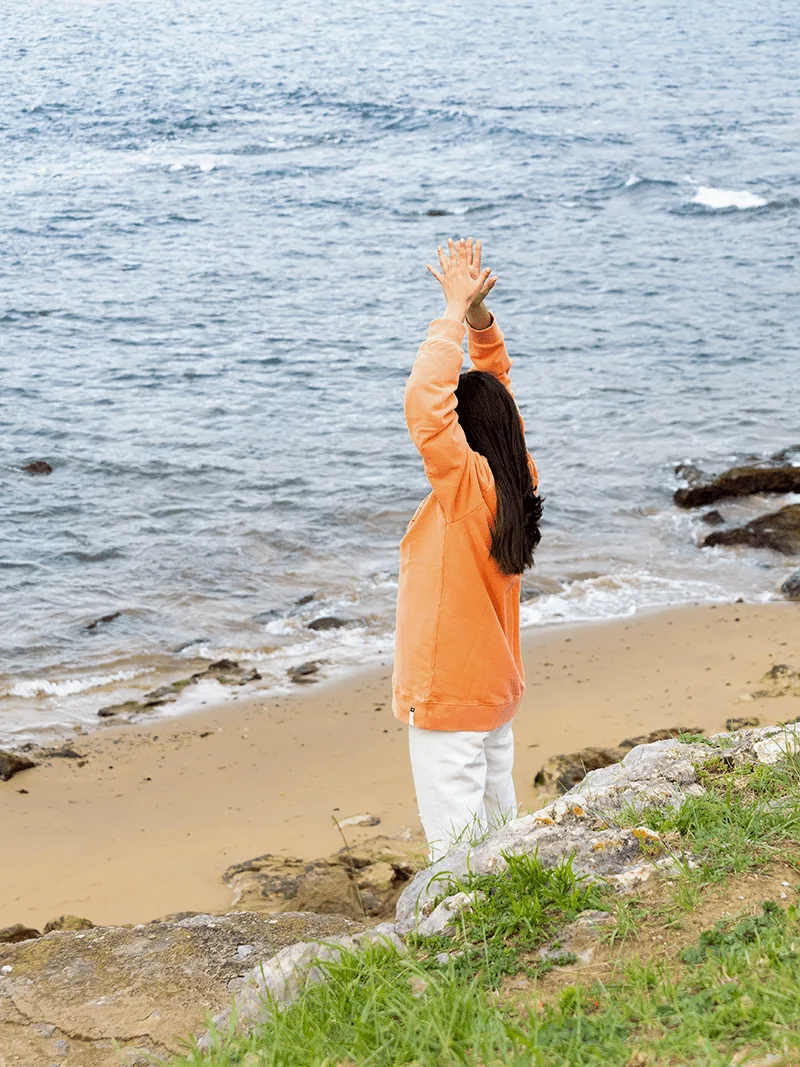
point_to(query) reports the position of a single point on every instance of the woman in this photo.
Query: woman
(458, 675)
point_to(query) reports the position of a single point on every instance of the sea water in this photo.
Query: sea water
(214, 224)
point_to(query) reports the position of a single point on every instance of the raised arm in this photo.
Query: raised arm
(487, 347)
(430, 409)
(430, 400)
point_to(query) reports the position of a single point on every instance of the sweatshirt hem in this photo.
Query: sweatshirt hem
(438, 716)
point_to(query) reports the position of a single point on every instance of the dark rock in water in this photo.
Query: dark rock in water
(303, 674)
(130, 707)
(102, 619)
(68, 922)
(435, 212)
(791, 587)
(189, 644)
(327, 622)
(267, 616)
(740, 481)
(779, 531)
(691, 474)
(786, 454)
(220, 666)
(11, 764)
(713, 518)
(538, 585)
(164, 695)
(567, 770)
(225, 671)
(660, 735)
(305, 599)
(39, 466)
(10, 935)
(741, 724)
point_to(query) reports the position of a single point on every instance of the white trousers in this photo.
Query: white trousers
(463, 782)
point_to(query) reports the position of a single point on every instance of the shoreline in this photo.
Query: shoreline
(159, 809)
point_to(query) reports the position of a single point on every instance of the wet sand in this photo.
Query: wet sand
(148, 824)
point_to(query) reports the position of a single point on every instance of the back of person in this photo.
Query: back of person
(458, 675)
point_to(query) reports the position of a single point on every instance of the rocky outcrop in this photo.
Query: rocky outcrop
(779, 531)
(71, 998)
(567, 769)
(740, 481)
(791, 587)
(11, 763)
(666, 734)
(362, 880)
(581, 824)
(224, 671)
(81, 998)
(281, 980)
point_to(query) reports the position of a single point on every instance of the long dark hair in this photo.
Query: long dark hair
(489, 417)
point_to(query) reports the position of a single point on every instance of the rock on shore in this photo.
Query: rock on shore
(740, 481)
(779, 531)
(11, 763)
(69, 997)
(362, 880)
(791, 587)
(566, 770)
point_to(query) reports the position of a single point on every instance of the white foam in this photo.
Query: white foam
(633, 180)
(201, 163)
(36, 687)
(617, 597)
(719, 199)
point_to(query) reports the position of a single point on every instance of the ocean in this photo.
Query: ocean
(213, 231)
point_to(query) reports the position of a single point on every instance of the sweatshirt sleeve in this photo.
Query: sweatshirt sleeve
(488, 352)
(430, 410)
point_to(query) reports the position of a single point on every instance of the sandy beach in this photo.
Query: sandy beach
(148, 823)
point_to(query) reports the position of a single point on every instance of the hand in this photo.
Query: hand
(456, 279)
(474, 263)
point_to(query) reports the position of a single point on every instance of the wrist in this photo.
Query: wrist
(479, 317)
(455, 311)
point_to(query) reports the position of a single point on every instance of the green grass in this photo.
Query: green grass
(378, 1008)
(736, 990)
(739, 989)
(513, 916)
(748, 817)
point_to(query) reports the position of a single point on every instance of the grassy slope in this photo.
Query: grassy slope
(486, 997)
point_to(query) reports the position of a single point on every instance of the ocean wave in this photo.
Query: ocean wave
(618, 596)
(37, 687)
(634, 181)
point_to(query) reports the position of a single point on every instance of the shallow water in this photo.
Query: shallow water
(214, 225)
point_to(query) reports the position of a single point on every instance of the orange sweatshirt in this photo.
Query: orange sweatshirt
(457, 656)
